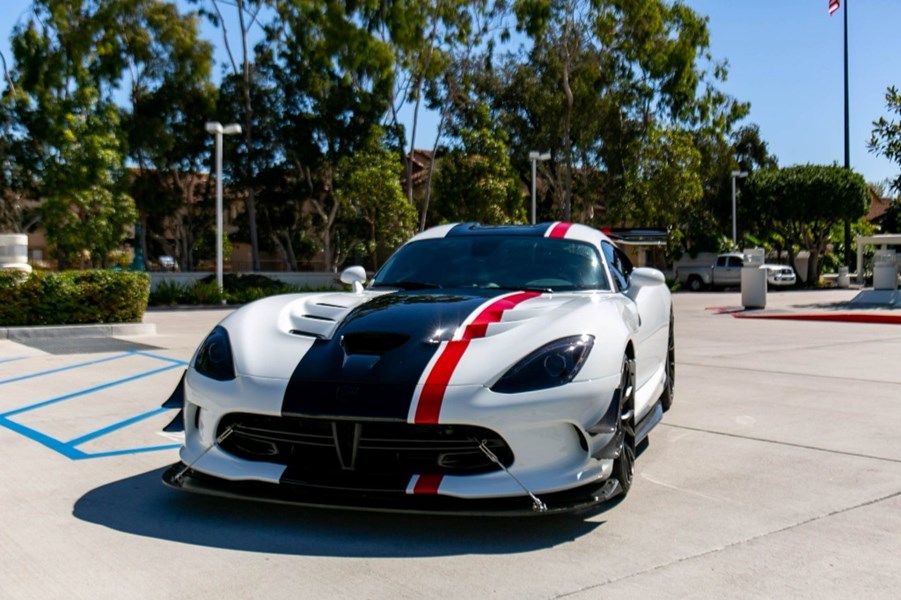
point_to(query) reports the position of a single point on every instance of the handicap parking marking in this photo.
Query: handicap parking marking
(71, 449)
(68, 367)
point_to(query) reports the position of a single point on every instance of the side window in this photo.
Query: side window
(620, 265)
(721, 261)
(734, 261)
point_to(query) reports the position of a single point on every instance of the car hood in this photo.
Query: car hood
(365, 354)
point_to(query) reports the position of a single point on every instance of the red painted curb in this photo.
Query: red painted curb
(835, 317)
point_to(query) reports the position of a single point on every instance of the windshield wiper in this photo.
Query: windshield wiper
(543, 290)
(408, 285)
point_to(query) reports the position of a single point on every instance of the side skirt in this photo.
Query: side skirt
(644, 427)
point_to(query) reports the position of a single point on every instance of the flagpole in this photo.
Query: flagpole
(847, 140)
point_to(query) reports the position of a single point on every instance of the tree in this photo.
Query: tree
(423, 35)
(806, 202)
(68, 57)
(334, 78)
(171, 97)
(600, 80)
(369, 189)
(247, 12)
(475, 181)
(662, 182)
(18, 212)
(886, 136)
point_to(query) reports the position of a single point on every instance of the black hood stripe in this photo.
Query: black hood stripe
(371, 366)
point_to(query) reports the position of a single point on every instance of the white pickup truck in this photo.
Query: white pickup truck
(726, 272)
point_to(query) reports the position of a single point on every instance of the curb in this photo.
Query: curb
(77, 331)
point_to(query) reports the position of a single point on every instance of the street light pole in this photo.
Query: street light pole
(735, 175)
(215, 128)
(535, 156)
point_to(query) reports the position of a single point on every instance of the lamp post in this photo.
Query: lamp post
(735, 175)
(215, 128)
(535, 156)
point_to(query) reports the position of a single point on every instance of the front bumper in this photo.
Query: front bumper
(559, 452)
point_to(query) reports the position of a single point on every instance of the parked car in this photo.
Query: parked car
(780, 275)
(726, 272)
(484, 369)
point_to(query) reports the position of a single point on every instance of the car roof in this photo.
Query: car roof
(553, 229)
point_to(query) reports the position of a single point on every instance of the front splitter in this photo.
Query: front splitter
(579, 499)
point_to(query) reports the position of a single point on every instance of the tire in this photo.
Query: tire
(624, 463)
(695, 283)
(669, 387)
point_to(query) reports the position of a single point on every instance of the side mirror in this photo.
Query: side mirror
(644, 276)
(354, 276)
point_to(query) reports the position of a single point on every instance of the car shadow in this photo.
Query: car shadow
(142, 505)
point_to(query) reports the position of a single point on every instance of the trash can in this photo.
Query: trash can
(753, 279)
(14, 252)
(885, 270)
(844, 279)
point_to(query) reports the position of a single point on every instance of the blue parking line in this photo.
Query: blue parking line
(111, 428)
(160, 357)
(6, 360)
(129, 451)
(69, 449)
(42, 438)
(96, 388)
(67, 368)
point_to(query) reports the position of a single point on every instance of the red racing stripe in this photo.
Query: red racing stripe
(427, 484)
(429, 407)
(559, 230)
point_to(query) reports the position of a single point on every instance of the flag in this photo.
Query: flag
(833, 6)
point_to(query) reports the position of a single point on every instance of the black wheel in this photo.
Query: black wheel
(695, 283)
(669, 387)
(624, 463)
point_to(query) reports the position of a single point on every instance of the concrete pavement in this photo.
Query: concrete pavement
(777, 474)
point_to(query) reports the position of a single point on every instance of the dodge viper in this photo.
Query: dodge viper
(483, 370)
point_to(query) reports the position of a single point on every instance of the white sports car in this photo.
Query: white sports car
(485, 369)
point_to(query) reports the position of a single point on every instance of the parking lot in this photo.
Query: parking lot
(777, 474)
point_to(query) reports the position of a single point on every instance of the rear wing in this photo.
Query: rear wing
(637, 237)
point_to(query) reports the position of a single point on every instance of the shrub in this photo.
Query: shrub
(169, 293)
(73, 297)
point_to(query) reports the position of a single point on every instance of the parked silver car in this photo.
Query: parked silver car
(780, 275)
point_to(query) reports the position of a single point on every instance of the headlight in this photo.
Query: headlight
(551, 365)
(214, 359)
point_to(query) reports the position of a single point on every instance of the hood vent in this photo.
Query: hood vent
(374, 343)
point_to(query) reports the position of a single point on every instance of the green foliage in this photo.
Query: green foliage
(73, 297)
(886, 136)
(239, 288)
(476, 182)
(168, 293)
(369, 188)
(68, 57)
(804, 203)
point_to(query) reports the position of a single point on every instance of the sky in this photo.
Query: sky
(785, 57)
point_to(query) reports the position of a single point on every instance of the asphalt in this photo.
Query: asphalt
(777, 474)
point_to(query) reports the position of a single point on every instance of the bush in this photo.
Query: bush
(73, 297)
(169, 293)
(238, 288)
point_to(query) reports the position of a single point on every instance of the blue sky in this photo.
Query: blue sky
(785, 58)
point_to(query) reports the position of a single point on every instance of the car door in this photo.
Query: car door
(649, 308)
(730, 272)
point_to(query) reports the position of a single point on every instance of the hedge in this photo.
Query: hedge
(72, 297)
(238, 288)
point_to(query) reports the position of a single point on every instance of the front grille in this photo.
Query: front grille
(363, 448)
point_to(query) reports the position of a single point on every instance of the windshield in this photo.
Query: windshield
(505, 262)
